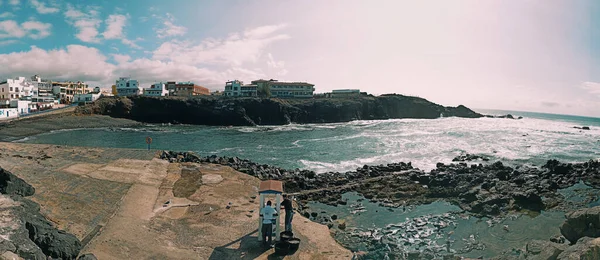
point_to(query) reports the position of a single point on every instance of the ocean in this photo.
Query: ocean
(346, 146)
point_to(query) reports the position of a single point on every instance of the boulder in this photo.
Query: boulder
(544, 250)
(585, 248)
(581, 223)
(13, 185)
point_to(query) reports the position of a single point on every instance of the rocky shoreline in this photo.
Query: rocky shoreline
(228, 111)
(477, 186)
(25, 232)
(483, 189)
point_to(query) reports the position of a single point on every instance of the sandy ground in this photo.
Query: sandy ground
(126, 204)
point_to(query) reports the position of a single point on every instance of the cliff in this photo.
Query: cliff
(257, 111)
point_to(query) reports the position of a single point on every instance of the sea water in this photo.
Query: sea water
(345, 146)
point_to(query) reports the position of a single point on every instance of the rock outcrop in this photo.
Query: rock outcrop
(539, 249)
(11, 184)
(29, 234)
(581, 223)
(225, 111)
(585, 248)
(490, 189)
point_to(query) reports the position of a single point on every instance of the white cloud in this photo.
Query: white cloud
(114, 26)
(86, 23)
(11, 29)
(31, 29)
(591, 87)
(169, 29)
(41, 30)
(278, 66)
(8, 42)
(210, 63)
(76, 62)
(131, 43)
(114, 30)
(6, 15)
(13, 2)
(119, 58)
(42, 8)
(233, 50)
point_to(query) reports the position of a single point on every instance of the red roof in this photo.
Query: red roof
(271, 186)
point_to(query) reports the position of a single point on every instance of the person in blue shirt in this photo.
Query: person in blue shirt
(268, 214)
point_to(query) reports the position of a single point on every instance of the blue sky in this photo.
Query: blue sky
(532, 55)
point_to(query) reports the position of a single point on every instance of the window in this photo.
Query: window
(11, 89)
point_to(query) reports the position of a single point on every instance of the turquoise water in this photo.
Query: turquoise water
(346, 146)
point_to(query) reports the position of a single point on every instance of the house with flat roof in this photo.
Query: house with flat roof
(282, 89)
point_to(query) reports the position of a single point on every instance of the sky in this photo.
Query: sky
(527, 55)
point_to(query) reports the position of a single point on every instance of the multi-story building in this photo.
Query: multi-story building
(156, 90)
(282, 89)
(236, 88)
(44, 93)
(65, 90)
(18, 88)
(128, 87)
(186, 89)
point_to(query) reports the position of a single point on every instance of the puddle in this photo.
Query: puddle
(441, 228)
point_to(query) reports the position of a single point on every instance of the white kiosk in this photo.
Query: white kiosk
(270, 187)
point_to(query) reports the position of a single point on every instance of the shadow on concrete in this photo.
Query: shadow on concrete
(249, 248)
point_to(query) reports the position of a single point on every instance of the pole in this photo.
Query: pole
(260, 219)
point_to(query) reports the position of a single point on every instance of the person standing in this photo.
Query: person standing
(268, 214)
(289, 212)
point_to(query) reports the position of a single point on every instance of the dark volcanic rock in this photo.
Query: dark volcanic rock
(87, 257)
(581, 223)
(469, 157)
(33, 236)
(227, 111)
(490, 189)
(12, 185)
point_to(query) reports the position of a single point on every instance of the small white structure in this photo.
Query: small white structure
(86, 98)
(7, 113)
(270, 187)
(23, 106)
(156, 90)
(127, 87)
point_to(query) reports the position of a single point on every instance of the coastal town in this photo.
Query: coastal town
(21, 96)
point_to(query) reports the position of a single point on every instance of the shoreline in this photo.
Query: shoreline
(378, 179)
(62, 120)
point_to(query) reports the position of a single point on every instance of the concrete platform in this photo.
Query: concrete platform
(127, 204)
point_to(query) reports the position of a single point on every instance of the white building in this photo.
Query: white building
(86, 98)
(7, 113)
(23, 106)
(44, 91)
(128, 87)
(156, 90)
(236, 88)
(17, 88)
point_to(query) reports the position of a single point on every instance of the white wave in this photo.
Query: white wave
(21, 140)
